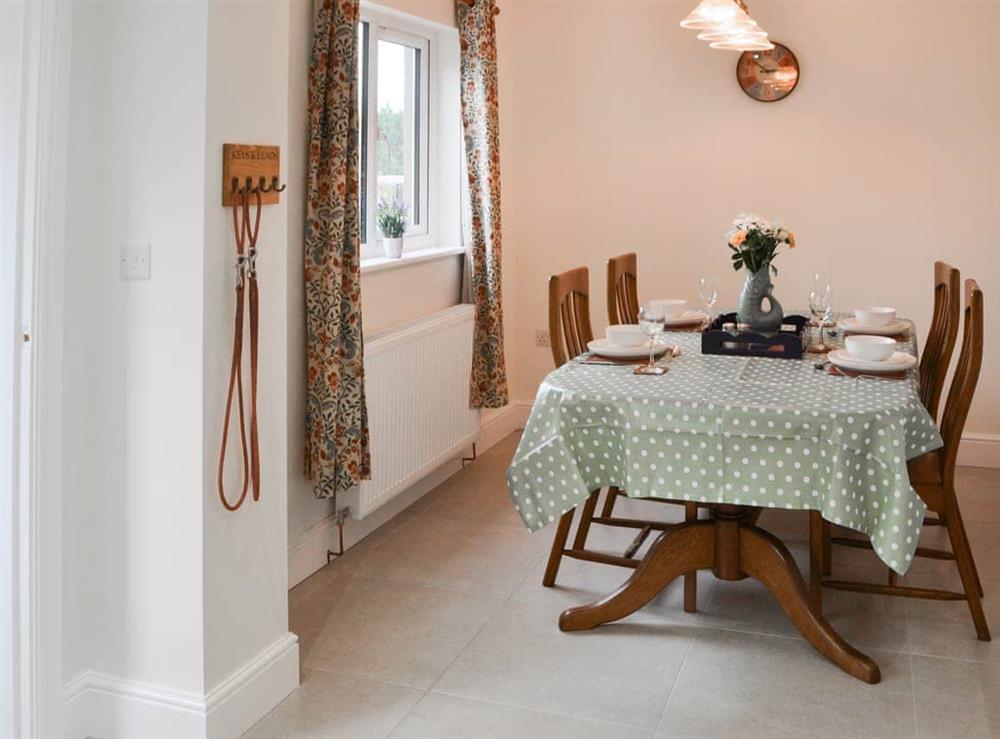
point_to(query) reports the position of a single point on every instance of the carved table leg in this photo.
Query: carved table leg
(733, 548)
(764, 557)
(688, 548)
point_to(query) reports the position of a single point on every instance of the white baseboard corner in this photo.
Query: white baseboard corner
(309, 554)
(108, 707)
(979, 450)
(500, 423)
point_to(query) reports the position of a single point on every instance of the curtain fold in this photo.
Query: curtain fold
(480, 120)
(336, 440)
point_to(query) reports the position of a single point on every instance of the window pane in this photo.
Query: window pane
(363, 127)
(397, 153)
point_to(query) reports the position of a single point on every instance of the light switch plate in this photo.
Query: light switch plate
(135, 261)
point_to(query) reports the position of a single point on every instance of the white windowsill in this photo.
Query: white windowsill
(409, 258)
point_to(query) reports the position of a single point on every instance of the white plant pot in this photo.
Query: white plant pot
(393, 247)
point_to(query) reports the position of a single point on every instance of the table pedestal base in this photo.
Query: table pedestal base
(734, 548)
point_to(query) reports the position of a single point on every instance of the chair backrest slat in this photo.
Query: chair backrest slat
(941, 337)
(623, 296)
(963, 383)
(569, 314)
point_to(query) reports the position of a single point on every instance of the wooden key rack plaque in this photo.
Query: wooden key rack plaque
(251, 168)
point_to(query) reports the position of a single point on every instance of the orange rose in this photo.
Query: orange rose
(738, 238)
(791, 240)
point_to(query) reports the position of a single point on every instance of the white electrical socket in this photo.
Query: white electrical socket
(135, 261)
(542, 337)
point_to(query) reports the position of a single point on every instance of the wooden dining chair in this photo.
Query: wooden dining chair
(569, 333)
(941, 337)
(933, 477)
(623, 295)
(569, 314)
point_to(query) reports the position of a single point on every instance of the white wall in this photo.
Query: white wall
(246, 578)
(133, 375)
(167, 597)
(623, 132)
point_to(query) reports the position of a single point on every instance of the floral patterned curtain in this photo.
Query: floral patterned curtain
(477, 34)
(336, 448)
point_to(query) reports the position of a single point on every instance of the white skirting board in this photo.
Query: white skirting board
(980, 450)
(104, 706)
(309, 554)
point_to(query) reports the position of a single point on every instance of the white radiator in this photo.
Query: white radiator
(417, 387)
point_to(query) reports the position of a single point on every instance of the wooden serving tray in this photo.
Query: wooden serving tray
(787, 343)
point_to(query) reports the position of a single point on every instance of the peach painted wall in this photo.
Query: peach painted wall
(623, 132)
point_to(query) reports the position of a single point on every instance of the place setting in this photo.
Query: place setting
(870, 356)
(871, 338)
(875, 321)
(623, 344)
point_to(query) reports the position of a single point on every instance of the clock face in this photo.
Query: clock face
(768, 75)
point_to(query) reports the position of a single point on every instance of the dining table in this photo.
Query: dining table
(735, 435)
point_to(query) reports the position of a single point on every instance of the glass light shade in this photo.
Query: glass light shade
(712, 13)
(743, 43)
(722, 33)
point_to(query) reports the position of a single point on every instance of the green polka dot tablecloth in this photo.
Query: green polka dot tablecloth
(774, 433)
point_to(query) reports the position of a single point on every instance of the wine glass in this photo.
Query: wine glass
(708, 291)
(821, 306)
(821, 283)
(651, 320)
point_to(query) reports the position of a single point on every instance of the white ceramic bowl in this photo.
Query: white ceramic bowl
(625, 335)
(875, 315)
(671, 308)
(870, 348)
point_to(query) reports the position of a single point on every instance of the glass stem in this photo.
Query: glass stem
(652, 348)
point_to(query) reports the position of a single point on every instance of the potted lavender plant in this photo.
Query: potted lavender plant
(391, 219)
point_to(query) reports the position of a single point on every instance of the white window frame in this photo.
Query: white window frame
(391, 27)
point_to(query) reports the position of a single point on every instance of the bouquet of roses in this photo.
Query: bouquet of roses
(755, 241)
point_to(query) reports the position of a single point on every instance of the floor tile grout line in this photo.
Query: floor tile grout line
(367, 678)
(460, 652)
(913, 695)
(406, 713)
(507, 601)
(436, 586)
(791, 637)
(545, 711)
(673, 685)
(985, 661)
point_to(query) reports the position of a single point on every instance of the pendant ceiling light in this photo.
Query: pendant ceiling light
(726, 24)
(713, 13)
(743, 43)
(721, 34)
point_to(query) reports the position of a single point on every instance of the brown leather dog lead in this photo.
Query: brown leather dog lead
(246, 292)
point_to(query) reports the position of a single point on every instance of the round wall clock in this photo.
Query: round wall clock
(768, 76)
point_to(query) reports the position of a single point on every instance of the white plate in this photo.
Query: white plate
(889, 329)
(606, 349)
(898, 362)
(687, 318)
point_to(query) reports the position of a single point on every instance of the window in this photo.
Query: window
(393, 102)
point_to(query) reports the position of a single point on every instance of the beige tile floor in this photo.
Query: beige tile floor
(437, 626)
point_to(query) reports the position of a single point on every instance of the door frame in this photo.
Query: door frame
(37, 39)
